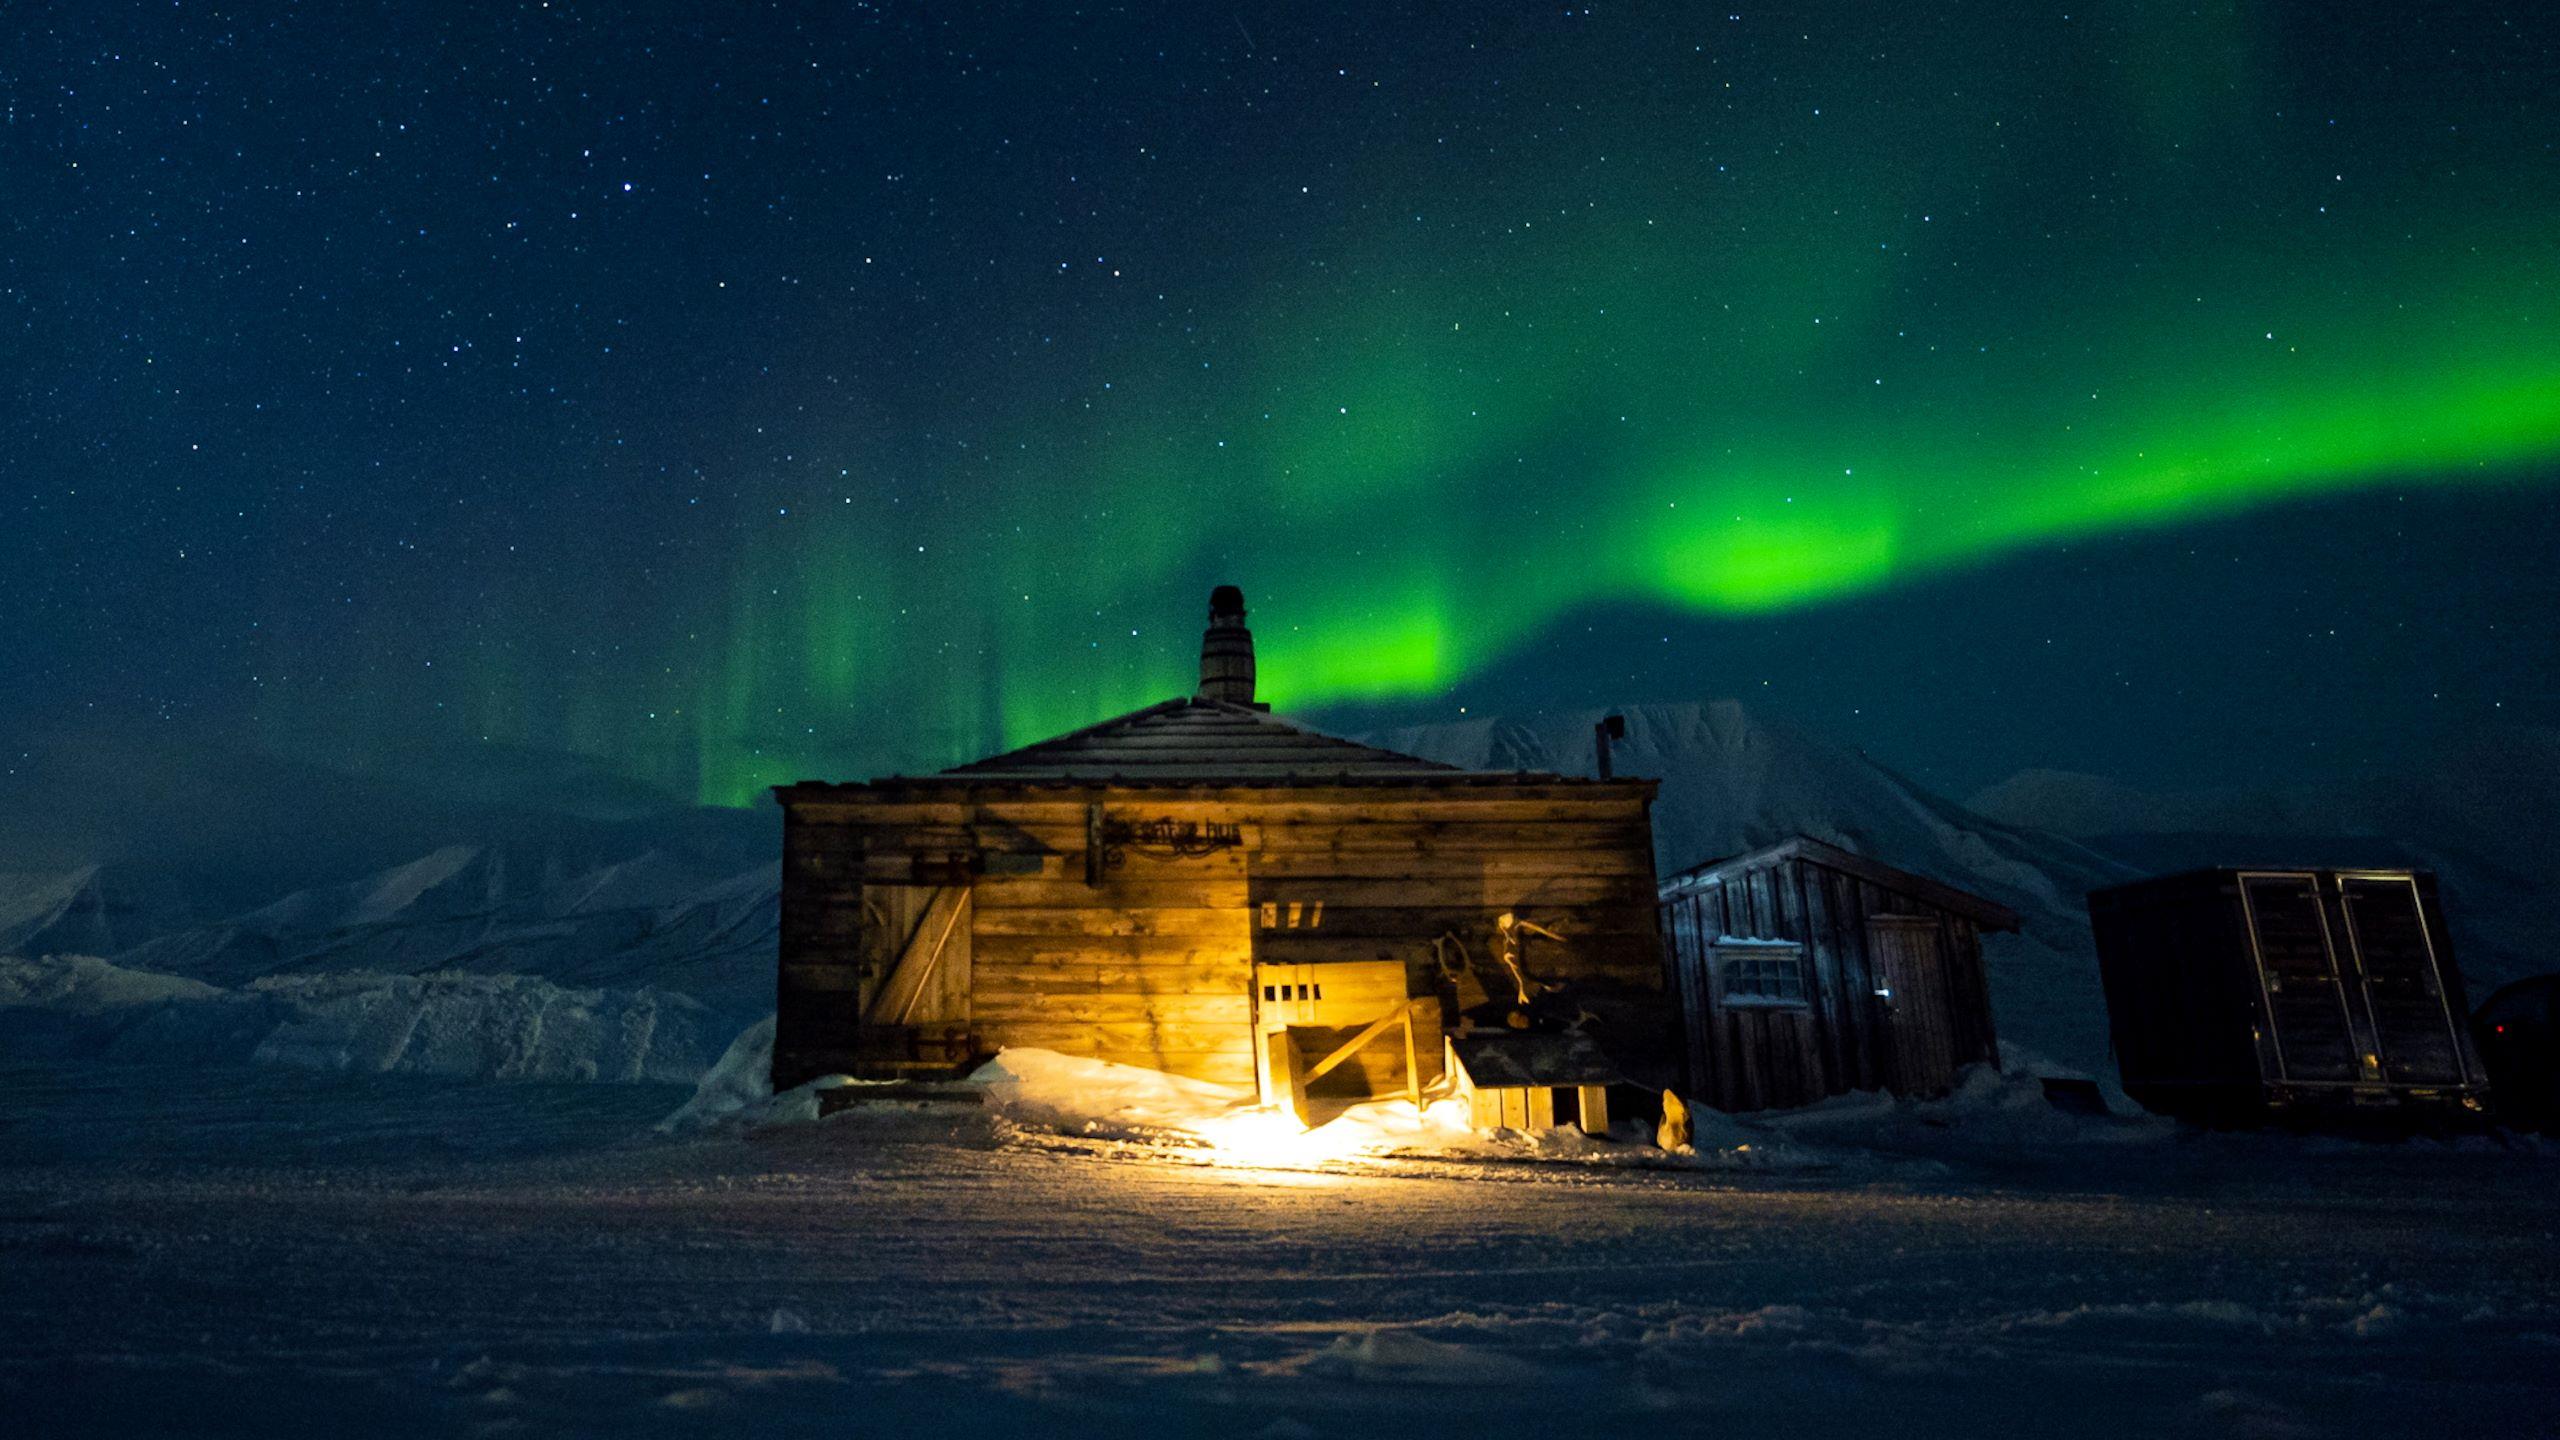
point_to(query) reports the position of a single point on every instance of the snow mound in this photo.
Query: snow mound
(742, 1078)
(482, 1027)
(1077, 1096)
(1097, 1097)
(1989, 1110)
(736, 1093)
(80, 1007)
(1401, 1357)
(88, 986)
(1071, 1095)
(491, 1027)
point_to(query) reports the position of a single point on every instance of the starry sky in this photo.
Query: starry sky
(729, 393)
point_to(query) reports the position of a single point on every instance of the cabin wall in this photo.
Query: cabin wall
(1748, 1058)
(818, 988)
(1152, 967)
(1153, 964)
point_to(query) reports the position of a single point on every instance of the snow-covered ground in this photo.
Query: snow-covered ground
(258, 1250)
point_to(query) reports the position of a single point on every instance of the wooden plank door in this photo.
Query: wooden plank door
(1911, 987)
(924, 975)
(915, 1005)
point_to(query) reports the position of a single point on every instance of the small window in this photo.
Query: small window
(1760, 975)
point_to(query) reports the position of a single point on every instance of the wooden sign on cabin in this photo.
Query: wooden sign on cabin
(1108, 841)
(1224, 851)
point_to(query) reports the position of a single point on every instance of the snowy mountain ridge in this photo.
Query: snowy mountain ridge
(686, 900)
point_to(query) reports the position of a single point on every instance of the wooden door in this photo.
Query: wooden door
(1911, 987)
(915, 1002)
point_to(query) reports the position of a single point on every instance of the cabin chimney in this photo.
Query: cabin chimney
(1226, 650)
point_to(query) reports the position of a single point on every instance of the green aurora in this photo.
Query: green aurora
(1387, 551)
(1402, 518)
(1725, 319)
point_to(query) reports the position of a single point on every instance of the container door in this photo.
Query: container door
(2413, 1021)
(1911, 985)
(2313, 1035)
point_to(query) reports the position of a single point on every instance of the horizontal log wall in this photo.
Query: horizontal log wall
(1153, 966)
(1149, 968)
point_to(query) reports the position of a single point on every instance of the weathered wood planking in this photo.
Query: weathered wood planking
(1155, 962)
(1846, 1036)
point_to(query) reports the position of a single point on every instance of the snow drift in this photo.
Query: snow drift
(488, 1027)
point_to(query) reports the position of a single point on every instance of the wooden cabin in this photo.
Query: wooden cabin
(1804, 970)
(2237, 994)
(1208, 889)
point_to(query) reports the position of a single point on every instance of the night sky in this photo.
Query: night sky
(734, 393)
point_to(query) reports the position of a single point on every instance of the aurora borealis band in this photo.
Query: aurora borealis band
(809, 391)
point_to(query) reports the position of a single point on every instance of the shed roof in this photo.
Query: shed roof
(1990, 914)
(1502, 1059)
(1194, 741)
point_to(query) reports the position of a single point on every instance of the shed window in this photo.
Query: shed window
(1760, 975)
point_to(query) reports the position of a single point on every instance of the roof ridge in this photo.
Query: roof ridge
(1215, 726)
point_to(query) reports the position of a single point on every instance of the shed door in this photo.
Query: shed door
(2306, 1001)
(915, 1004)
(1911, 985)
(2413, 1021)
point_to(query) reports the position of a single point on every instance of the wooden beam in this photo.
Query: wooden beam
(895, 1002)
(1412, 1063)
(1287, 1084)
(1594, 1106)
(1347, 1048)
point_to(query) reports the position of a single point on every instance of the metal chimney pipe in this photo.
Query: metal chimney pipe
(1226, 650)
(1611, 727)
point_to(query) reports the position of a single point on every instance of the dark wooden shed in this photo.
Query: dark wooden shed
(1805, 970)
(2236, 993)
(1208, 889)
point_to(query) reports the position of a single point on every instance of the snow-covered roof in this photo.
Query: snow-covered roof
(1990, 914)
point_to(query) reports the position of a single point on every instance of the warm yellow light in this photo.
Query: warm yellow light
(1273, 1139)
